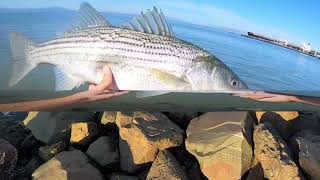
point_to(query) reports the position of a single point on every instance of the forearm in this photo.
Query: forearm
(307, 100)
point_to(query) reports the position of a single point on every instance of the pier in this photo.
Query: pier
(306, 49)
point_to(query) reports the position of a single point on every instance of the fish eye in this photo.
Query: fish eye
(234, 82)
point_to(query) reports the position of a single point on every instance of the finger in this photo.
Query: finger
(107, 80)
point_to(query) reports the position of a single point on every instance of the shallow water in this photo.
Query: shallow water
(261, 65)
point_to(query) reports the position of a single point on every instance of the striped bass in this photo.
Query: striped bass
(142, 54)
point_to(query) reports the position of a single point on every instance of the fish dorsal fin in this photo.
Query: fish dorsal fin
(151, 22)
(90, 17)
(64, 81)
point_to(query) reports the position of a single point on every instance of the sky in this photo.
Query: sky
(294, 20)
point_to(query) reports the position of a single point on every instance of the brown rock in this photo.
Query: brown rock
(285, 115)
(67, 165)
(104, 151)
(8, 159)
(52, 127)
(308, 145)
(108, 117)
(48, 152)
(222, 143)
(83, 133)
(273, 154)
(165, 166)
(142, 135)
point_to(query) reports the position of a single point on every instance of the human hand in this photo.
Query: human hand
(268, 97)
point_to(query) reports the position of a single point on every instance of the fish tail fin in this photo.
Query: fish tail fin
(22, 62)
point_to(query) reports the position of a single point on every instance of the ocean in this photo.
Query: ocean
(261, 65)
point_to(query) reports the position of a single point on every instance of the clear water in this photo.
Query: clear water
(261, 65)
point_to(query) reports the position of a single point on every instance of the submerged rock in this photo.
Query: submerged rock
(142, 135)
(67, 165)
(8, 159)
(104, 151)
(273, 154)
(51, 127)
(165, 166)
(222, 143)
(83, 133)
(48, 152)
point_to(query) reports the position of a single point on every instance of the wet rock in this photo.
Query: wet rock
(285, 115)
(51, 127)
(13, 132)
(83, 133)
(108, 117)
(308, 150)
(8, 159)
(222, 143)
(119, 176)
(104, 151)
(273, 154)
(165, 166)
(48, 152)
(67, 165)
(142, 135)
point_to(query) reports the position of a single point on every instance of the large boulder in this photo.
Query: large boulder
(273, 154)
(51, 127)
(165, 166)
(308, 150)
(83, 133)
(67, 165)
(222, 143)
(8, 159)
(104, 151)
(142, 135)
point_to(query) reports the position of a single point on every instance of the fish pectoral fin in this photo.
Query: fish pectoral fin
(64, 82)
(172, 81)
(152, 22)
(144, 94)
(89, 17)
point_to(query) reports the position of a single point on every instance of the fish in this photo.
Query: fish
(143, 54)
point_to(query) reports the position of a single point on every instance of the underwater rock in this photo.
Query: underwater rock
(273, 154)
(8, 159)
(142, 135)
(52, 127)
(83, 133)
(67, 165)
(48, 152)
(108, 117)
(222, 143)
(307, 147)
(165, 166)
(104, 151)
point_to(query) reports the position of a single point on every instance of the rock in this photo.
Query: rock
(13, 132)
(8, 159)
(31, 115)
(142, 135)
(165, 166)
(222, 143)
(104, 151)
(52, 127)
(118, 176)
(285, 115)
(48, 152)
(67, 165)
(83, 133)
(182, 119)
(306, 123)
(273, 154)
(108, 117)
(308, 145)
(256, 171)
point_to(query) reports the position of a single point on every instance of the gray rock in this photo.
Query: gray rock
(165, 166)
(222, 143)
(119, 176)
(142, 135)
(308, 151)
(273, 154)
(8, 159)
(48, 152)
(52, 127)
(67, 165)
(104, 151)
